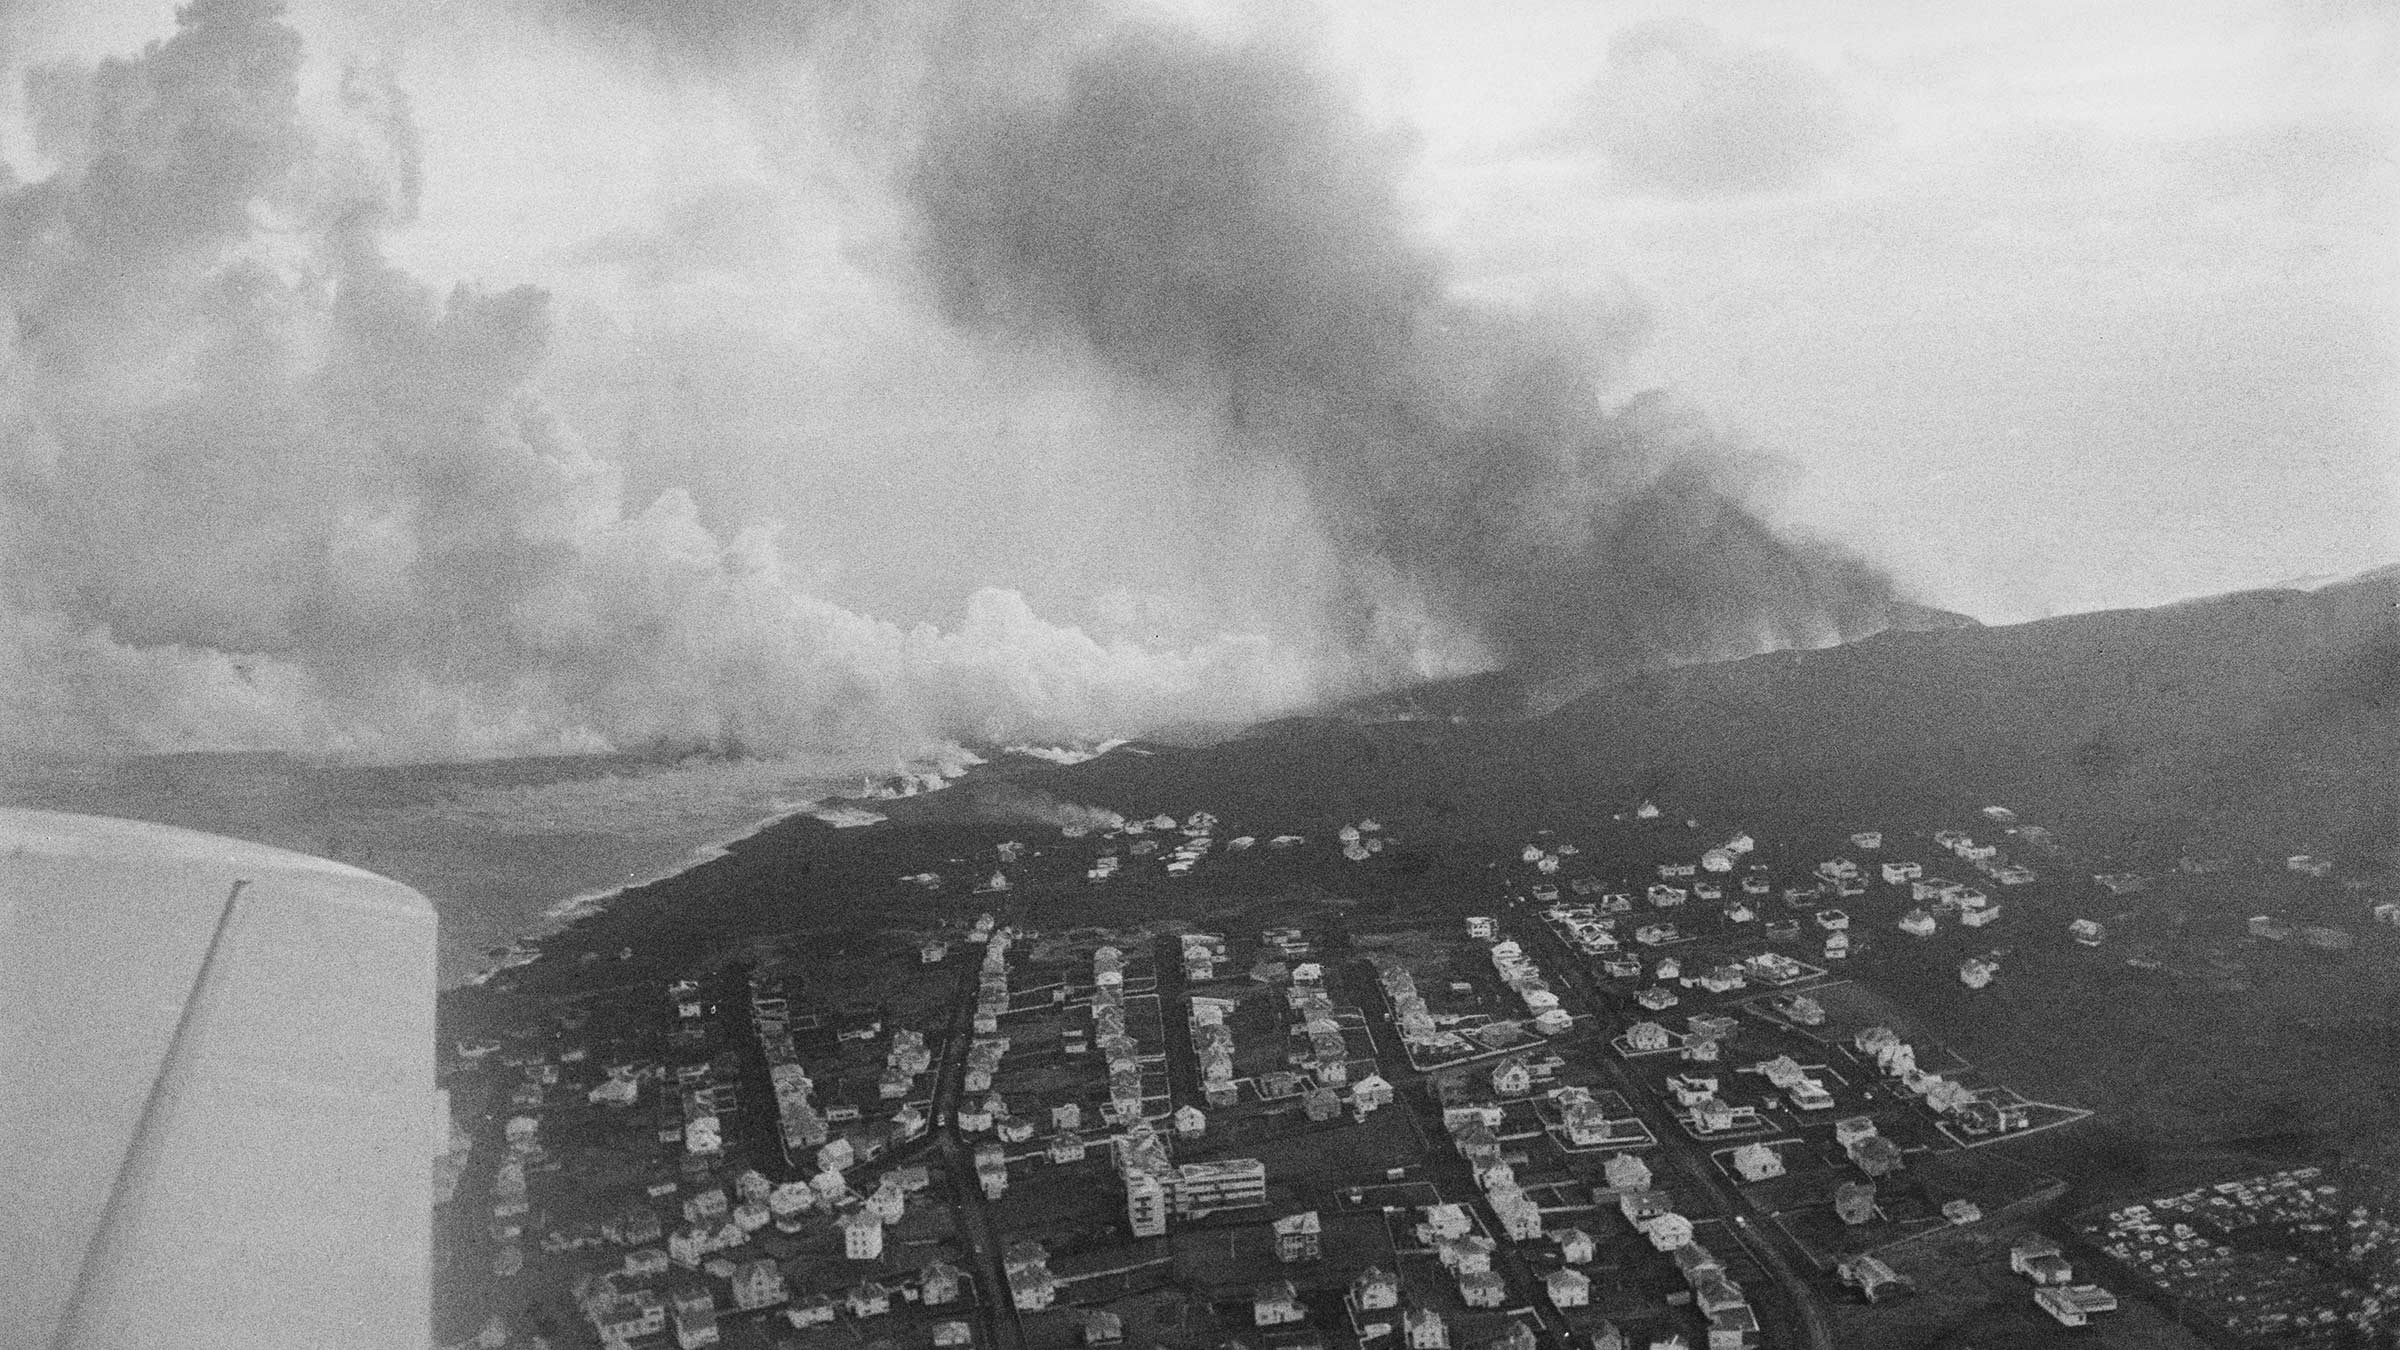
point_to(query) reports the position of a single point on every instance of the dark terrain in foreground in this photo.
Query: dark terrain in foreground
(2197, 745)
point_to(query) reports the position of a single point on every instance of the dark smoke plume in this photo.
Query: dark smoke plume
(261, 489)
(1214, 219)
(1217, 221)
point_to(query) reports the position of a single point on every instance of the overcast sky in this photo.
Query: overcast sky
(2047, 306)
(2058, 304)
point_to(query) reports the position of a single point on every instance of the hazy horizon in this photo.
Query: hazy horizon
(866, 402)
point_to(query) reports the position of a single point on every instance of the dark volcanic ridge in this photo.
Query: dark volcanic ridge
(1536, 690)
(2268, 716)
(2272, 711)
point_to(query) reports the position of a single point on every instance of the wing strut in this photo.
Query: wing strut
(69, 1324)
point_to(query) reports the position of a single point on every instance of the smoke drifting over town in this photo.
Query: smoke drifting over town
(264, 489)
(1215, 219)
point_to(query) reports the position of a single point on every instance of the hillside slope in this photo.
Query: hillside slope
(2276, 712)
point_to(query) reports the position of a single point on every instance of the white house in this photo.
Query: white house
(1375, 1288)
(862, 1236)
(1757, 1162)
(1626, 1172)
(1276, 1303)
(1568, 1288)
(1667, 1231)
(1446, 1220)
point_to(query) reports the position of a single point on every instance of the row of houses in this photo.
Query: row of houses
(904, 1061)
(799, 1122)
(1524, 978)
(1587, 1122)
(1318, 1047)
(621, 1311)
(991, 980)
(1472, 1135)
(1111, 1033)
(1212, 1043)
(1975, 1112)
(1974, 908)
(1732, 1323)
(1202, 954)
(1410, 1015)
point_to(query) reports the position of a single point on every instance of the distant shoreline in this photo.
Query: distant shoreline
(834, 810)
(557, 916)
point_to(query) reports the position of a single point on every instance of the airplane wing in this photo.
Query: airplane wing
(216, 1082)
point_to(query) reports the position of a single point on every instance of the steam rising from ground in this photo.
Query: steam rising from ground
(262, 489)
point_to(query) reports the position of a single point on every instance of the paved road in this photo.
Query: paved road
(1763, 1240)
(997, 1310)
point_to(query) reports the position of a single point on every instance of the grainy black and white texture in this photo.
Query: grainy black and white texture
(401, 383)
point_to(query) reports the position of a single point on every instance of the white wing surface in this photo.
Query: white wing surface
(216, 1065)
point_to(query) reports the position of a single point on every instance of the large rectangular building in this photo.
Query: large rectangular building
(1145, 1205)
(1205, 1188)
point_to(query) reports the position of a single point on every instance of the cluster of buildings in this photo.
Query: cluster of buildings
(1187, 855)
(1702, 1041)
(1802, 1089)
(1588, 1124)
(2042, 1262)
(2302, 1256)
(1974, 1112)
(1974, 907)
(907, 1058)
(1841, 877)
(1986, 858)
(1420, 1036)
(1199, 831)
(1361, 841)
(1032, 1286)
(1471, 1133)
(682, 1281)
(1319, 1049)
(1732, 1323)
(1866, 1147)
(510, 1199)
(1157, 1189)
(803, 1127)
(991, 979)
(1202, 954)
(1518, 972)
(1319, 1053)
(1212, 1043)
(1705, 1113)
(1120, 1053)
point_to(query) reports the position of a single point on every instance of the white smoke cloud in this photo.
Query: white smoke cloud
(261, 489)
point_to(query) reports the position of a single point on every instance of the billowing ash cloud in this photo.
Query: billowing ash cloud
(1213, 219)
(1217, 221)
(260, 489)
